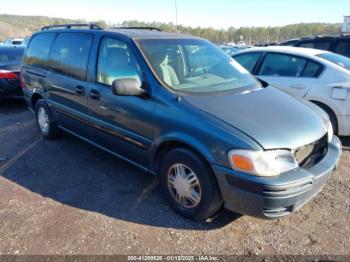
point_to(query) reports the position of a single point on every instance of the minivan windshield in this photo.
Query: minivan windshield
(339, 60)
(194, 65)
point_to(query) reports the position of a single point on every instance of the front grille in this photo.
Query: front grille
(309, 155)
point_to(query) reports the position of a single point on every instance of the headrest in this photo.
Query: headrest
(117, 56)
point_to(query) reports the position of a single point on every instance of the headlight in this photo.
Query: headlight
(330, 132)
(262, 163)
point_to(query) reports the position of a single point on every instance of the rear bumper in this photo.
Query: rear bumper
(274, 197)
(27, 95)
(10, 89)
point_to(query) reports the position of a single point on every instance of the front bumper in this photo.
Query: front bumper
(274, 197)
(343, 125)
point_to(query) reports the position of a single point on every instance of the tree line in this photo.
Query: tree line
(251, 35)
(21, 26)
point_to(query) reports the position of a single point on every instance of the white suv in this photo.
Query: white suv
(319, 76)
(13, 41)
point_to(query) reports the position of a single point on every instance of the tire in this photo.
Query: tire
(333, 120)
(206, 194)
(45, 121)
(331, 116)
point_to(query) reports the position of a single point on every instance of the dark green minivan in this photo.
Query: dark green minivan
(179, 107)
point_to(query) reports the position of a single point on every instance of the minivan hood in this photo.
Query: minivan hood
(270, 116)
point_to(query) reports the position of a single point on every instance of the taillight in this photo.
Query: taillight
(21, 78)
(4, 74)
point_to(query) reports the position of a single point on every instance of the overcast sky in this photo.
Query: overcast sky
(204, 13)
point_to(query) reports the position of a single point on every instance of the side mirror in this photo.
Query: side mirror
(127, 87)
(263, 83)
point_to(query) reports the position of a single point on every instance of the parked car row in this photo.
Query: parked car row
(337, 44)
(318, 76)
(178, 107)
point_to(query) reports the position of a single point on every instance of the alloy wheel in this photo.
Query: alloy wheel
(184, 185)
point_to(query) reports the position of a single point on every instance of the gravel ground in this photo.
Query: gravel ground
(67, 197)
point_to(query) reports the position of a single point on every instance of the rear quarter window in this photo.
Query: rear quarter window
(38, 50)
(343, 48)
(312, 69)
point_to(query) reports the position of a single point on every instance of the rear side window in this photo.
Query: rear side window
(307, 45)
(282, 65)
(248, 61)
(38, 50)
(343, 48)
(70, 54)
(324, 45)
(312, 69)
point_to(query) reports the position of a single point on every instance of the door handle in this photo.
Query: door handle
(94, 94)
(80, 90)
(299, 87)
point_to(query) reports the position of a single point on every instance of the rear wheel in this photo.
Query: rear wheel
(46, 124)
(189, 184)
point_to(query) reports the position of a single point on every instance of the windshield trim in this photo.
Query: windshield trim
(179, 91)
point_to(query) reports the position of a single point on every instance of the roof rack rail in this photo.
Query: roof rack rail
(323, 36)
(315, 36)
(139, 27)
(304, 37)
(68, 26)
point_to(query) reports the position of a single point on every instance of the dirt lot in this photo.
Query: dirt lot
(67, 197)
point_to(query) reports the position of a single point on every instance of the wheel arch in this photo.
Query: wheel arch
(34, 99)
(328, 110)
(170, 143)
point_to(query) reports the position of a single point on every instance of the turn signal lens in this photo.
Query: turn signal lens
(243, 163)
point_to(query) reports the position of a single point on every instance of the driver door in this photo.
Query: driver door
(121, 124)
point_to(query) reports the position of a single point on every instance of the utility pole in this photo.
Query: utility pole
(177, 29)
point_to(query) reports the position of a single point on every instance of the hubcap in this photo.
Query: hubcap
(184, 185)
(43, 120)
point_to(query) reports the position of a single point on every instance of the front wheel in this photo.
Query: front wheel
(189, 184)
